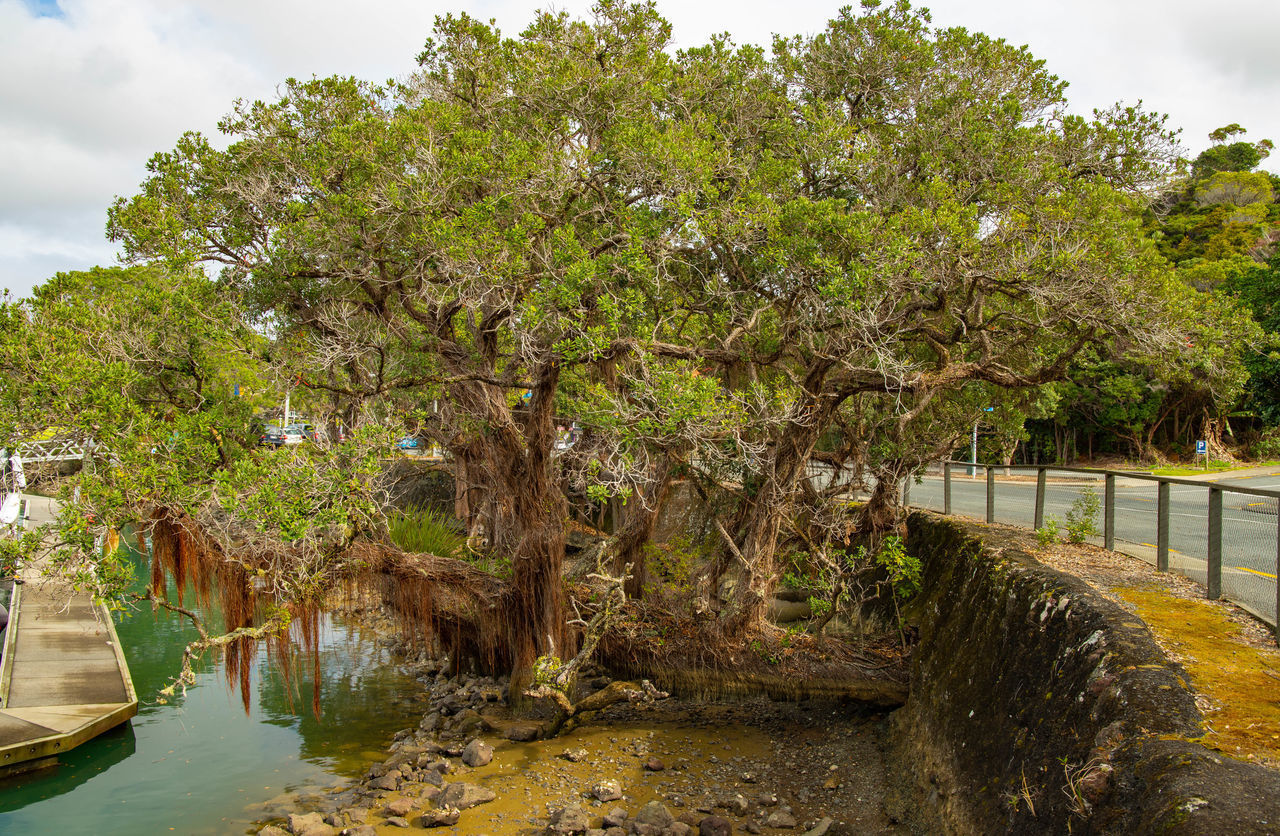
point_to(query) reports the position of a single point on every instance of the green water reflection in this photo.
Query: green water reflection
(204, 766)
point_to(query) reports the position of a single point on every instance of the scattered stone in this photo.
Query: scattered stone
(655, 814)
(387, 782)
(781, 819)
(768, 800)
(748, 777)
(397, 821)
(575, 755)
(477, 753)
(654, 765)
(272, 830)
(463, 796)
(752, 827)
(468, 721)
(571, 819)
(617, 817)
(738, 805)
(690, 818)
(715, 826)
(361, 830)
(607, 791)
(400, 807)
(441, 817)
(821, 828)
(523, 732)
(679, 828)
(309, 824)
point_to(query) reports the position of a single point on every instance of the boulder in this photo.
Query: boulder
(821, 828)
(655, 814)
(389, 782)
(715, 826)
(780, 819)
(440, 817)
(607, 791)
(462, 795)
(400, 807)
(523, 732)
(570, 819)
(477, 753)
(309, 824)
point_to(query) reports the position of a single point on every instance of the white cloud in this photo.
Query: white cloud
(88, 96)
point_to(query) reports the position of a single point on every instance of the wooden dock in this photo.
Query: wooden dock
(63, 675)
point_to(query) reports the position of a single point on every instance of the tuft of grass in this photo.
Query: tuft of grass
(1215, 466)
(426, 531)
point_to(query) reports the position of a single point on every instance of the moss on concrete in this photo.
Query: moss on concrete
(1242, 683)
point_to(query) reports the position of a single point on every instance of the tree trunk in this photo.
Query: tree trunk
(515, 508)
(784, 466)
(636, 527)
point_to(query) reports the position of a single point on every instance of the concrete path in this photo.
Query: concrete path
(63, 678)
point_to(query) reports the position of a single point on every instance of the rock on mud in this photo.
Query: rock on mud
(655, 814)
(477, 753)
(715, 826)
(442, 817)
(462, 795)
(571, 819)
(309, 824)
(607, 791)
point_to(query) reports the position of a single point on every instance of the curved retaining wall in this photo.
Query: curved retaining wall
(1037, 706)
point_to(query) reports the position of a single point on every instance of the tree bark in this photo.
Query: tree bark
(784, 467)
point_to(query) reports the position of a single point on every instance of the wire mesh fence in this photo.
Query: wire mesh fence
(1224, 537)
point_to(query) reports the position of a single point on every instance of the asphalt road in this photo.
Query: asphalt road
(1249, 524)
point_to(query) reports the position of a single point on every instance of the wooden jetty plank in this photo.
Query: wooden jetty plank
(63, 679)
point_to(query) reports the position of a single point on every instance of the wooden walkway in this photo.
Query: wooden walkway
(63, 678)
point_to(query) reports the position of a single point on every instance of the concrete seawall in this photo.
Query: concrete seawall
(1037, 706)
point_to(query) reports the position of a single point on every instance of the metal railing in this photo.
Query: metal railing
(1251, 538)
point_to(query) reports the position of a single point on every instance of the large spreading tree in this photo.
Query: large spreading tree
(727, 265)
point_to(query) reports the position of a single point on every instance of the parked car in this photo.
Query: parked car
(272, 437)
(294, 434)
(310, 432)
(408, 444)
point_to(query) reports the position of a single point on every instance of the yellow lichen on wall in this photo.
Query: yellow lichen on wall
(1238, 684)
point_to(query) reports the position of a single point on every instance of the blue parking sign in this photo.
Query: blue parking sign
(1202, 448)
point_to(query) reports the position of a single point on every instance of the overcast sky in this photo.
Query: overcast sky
(89, 89)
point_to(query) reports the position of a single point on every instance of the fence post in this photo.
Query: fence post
(1277, 614)
(906, 494)
(991, 494)
(1215, 544)
(1162, 527)
(1109, 513)
(1040, 477)
(946, 488)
